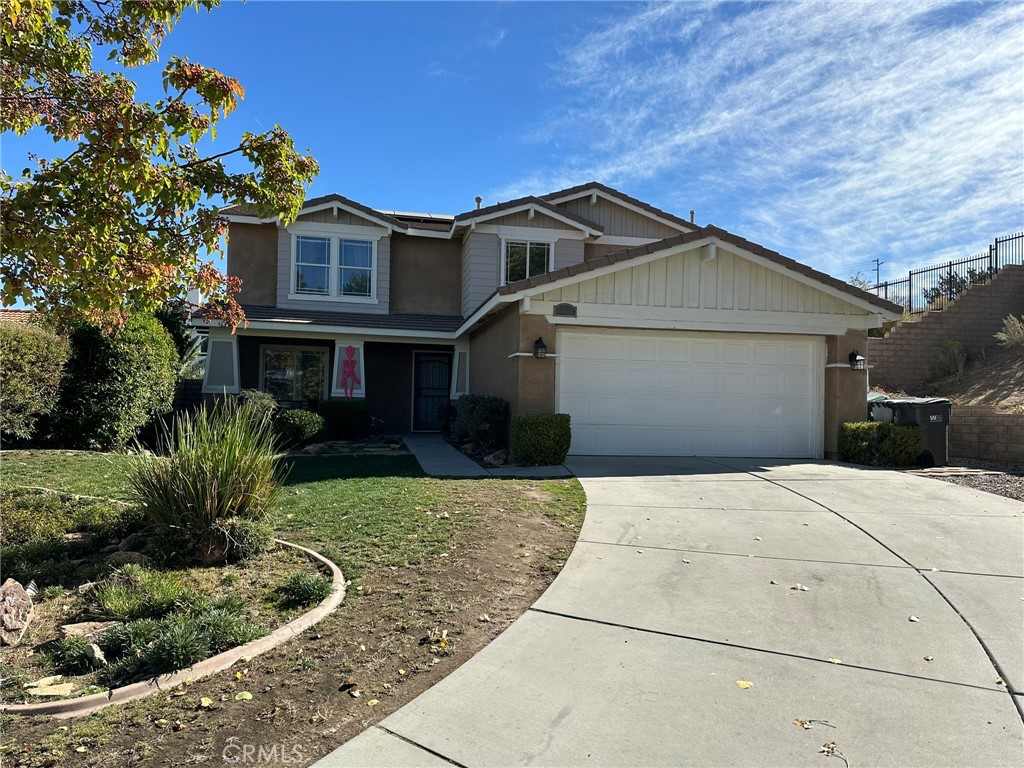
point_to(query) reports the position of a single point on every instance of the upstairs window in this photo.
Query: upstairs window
(313, 265)
(337, 267)
(525, 259)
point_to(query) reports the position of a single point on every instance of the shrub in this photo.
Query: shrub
(180, 644)
(483, 419)
(256, 403)
(879, 444)
(222, 465)
(540, 438)
(1012, 335)
(951, 358)
(223, 629)
(298, 427)
(129, 640)
(114, 384)
(31, 363)
(446, 415)
(344, 419)
(304, 589)
(245, 538)
(133, 592)
(69, 655)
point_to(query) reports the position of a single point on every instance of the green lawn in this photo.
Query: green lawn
(361, 511)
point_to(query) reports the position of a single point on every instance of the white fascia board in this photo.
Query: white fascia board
(292, 328)
(702, 324)
(235, 218)
(626, 242)
(527, 206)
(624, 204)
(486, 308)
(427, 233)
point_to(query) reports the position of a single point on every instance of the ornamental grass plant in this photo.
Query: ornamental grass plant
(218, 468)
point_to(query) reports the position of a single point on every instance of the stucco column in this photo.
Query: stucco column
(846, 390)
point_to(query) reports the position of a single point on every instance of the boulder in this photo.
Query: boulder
(133, 542)
(95, 656)
(86, 629)
(15, 612)
(496, 459)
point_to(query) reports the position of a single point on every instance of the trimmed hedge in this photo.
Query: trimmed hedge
(344, 419)
(879, 444)
(540, 439)
(31, 363)
(483, 419)
(115, 383)
(297, 427)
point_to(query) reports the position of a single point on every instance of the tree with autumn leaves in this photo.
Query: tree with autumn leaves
(117, 224)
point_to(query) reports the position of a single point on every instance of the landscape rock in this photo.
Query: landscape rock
(119, 558)
(496, 459)
(95, 656)
(64, 689)
(315, 449)
(86, 629)
(51, 680)
(15, 612)
(133, 542)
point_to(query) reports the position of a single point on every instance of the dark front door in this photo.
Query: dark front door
(432, 380)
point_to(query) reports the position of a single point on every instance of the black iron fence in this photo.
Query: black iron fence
(935, 287)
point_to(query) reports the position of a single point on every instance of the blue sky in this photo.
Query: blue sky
(833, 133)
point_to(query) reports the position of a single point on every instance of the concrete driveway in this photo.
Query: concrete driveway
(684, 581)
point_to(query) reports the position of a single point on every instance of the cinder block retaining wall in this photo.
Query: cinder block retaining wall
(905, 358)
(979, 432)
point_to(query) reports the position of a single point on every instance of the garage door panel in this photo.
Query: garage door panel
(685, 393)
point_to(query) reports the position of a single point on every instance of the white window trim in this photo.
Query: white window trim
(504, 249)
(335, 233)
(293, 348)
(214, 389)
(455, 393)
(295, 268)
(359, 392)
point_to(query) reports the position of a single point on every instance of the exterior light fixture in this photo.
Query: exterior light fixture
(540, 349)
(857, 361)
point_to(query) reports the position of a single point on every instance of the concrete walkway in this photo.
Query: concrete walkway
(685, 582)
(439, 459)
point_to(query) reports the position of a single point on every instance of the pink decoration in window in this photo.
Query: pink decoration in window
(349, 378)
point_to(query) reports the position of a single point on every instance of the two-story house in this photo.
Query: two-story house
(661, 337)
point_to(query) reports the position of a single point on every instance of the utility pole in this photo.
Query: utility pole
(878, 273)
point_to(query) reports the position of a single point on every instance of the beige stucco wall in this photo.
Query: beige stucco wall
(491, 371)
(252, 257)
(846, 390)
(426, 275)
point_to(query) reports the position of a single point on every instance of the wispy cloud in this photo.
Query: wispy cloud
(836, 133)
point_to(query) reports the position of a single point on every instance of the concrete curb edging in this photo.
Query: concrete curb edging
(85, 705)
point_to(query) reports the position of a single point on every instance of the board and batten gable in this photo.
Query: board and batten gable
(285, 266)
(728, 292)
(617, 220)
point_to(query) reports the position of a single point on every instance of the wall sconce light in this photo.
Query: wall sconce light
(857, 361)
(540, 349)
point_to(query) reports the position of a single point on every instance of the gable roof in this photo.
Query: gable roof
(595, 186)
(524, 203)
(700, 233)
(318, 203)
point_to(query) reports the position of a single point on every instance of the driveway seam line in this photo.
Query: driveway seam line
(416, 744)
(641, 545)
(984, 646)
(769, 652)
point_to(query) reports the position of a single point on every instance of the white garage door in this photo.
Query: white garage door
(676, 393)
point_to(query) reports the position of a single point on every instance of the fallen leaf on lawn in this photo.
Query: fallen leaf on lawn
(835, 661)
(239, 675)
(162, 722)
(206, 702)
(355, 693)
(800, 588)
(81, 749)
(372, 703)
(913, 618)
(401, 671)
(349, 684)
(744, 684)
(362, 648)
(243, 696)
(179, 726)
(484, 617)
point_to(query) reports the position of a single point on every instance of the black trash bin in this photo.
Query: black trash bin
(931, 414)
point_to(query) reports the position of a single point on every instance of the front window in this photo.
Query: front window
(313, 265)
(526, 259)
(356, 267)
(294, 374)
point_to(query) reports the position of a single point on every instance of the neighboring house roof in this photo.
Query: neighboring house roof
(16, 316)
(522, 203)
(596, 186)
(402, 321)
(687, 237)
(324, 202)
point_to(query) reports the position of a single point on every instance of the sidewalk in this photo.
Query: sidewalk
(439, 459)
